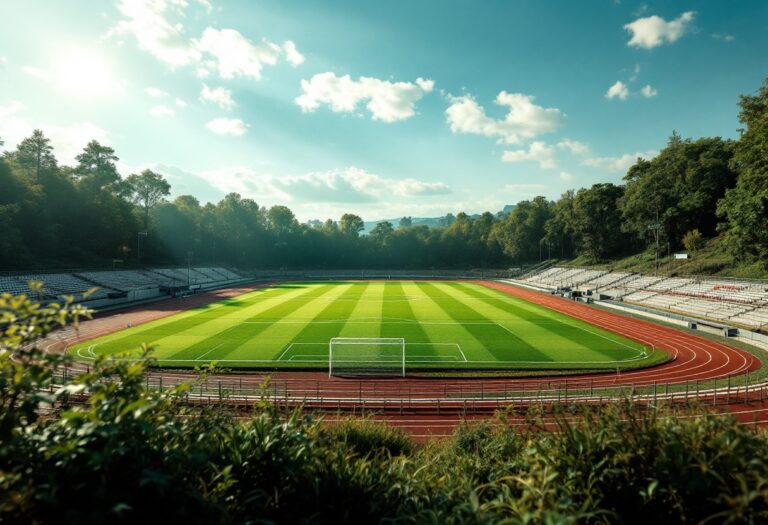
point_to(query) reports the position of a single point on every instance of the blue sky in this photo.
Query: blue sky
(379, 108)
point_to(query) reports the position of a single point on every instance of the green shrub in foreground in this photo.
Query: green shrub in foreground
(127, 455)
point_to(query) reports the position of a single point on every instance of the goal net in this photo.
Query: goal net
(359, 356)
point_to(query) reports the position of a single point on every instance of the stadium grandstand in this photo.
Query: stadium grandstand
(739, 302)
(115, 287)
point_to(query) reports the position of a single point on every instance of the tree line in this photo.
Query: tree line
(90, 215)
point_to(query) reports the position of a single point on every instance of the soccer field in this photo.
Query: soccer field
(445, 325)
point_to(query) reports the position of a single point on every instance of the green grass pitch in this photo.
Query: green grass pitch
(446, 325)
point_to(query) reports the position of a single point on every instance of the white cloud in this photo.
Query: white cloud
(425, 84)
(537, 151)
(574, 146)
(320, 195)
(653, 31)
(3, 61)
(36, 72)
(220, 96)
(635, 72)
(350, 185)
(618, 90)
(181, 103)
(162, 111)
(226, 51)
(154, 92)
(564, 175)
(724, 37)
(146, 21)
(206, 4)
(292, 54)
(387, 101)
(649, 91)
(227, 126)
(234, 55)
(620, 164)
(523, 120)
(67, 140)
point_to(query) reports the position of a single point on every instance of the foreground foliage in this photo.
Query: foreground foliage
(125, 454)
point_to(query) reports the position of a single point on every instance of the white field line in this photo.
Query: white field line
(208, 352)
(280, 357)
(572, 325)
(502, 364)
(641, 352)
(374, 359)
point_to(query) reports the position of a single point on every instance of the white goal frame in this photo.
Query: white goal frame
(394, 341)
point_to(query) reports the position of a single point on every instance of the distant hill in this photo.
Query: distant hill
(432, 222)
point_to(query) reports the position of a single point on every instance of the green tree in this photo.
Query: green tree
(745, 207)
(35, 154)
(678, 189)
(282, 221)
(96, 165)
(520, 234)
(597, 221)
(405, 222)
(693, 241)
(561, 228)
(351, 225)
(146, 190)
(382, 233)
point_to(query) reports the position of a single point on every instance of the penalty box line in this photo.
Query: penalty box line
(290, 346)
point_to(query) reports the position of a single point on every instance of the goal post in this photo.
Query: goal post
(360, 356)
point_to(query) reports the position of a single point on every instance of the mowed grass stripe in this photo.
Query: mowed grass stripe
(229, 337)
(272, 341)
(561, 342)
(194, 323)
(393, 310)
(503, 345)
(365, 318)
(607, 344)
(441, 327)
(524, 309)
(319, 334)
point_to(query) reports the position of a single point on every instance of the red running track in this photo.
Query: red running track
(694, 359)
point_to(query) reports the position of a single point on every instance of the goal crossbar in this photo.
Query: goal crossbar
(366, 355)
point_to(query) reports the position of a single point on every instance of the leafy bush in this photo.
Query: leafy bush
(366, 437)
(102, 448)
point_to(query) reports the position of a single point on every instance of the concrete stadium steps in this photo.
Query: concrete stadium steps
(757, 318)
(738, 300)
(122, 280)
(604, 280)
(57, 285)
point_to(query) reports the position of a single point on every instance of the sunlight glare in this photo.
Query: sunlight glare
(81, 72)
